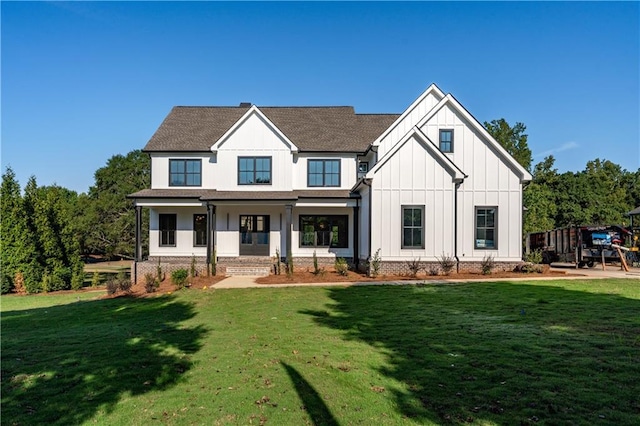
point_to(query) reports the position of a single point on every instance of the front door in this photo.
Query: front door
(254, 235)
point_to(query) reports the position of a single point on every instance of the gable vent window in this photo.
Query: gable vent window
(185, 172)
(446, 140)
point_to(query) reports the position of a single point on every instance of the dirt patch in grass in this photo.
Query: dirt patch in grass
(331, 276)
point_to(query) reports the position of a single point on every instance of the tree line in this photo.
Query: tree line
(47, 230)
(601, 194)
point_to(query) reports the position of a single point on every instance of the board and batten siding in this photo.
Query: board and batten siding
(184, 232)
(412, 177)
(413, 116)
(364, 245)
(160, 168)
(254, 138)
(490, 182)
(228, 228)
(348, 169)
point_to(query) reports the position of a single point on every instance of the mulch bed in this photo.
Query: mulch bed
(329, 276)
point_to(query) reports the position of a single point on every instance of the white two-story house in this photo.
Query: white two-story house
(242, 184)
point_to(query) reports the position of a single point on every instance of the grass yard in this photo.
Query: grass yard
(546, 352)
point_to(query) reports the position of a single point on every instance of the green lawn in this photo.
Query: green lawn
(545, 352)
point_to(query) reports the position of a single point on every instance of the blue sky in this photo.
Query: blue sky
(83, 81)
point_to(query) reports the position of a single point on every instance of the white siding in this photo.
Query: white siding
(228, 228)
(254, 138)
(490, 182)
(184, 232)
(404, 126)
(160, 169)
(364, 223)
(348, 169)
(412, 177)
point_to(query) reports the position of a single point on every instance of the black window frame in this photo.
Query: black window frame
(324, 173)
(166, 232)
(366, 166)
(493, 228)
(185, 173)
(404, 227)
(316, 220)
(200, 235)
(450, 142)
(254, 171)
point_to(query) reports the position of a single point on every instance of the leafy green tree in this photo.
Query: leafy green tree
(107, 224)
(512, 139)
(48, 215)
(539, 198)
(11, 203)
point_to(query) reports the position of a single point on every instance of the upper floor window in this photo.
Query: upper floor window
(167, 230)
(486, 228)
(323, 173)
(412, 227)
(185, 172)
(446, 140)
(254, 170)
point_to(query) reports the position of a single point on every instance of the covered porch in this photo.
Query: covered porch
(249, 227)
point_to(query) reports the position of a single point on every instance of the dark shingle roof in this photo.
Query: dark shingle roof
(332, 129)
(212, 194)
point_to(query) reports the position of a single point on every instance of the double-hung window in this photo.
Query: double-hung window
(167, 230)
(412, 227)
(323, 173)
(446, 140)
(486, 228)
(185, 172)
(254, 170)
(324, 231)
(199, 230)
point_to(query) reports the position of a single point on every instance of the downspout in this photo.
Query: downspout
(368, 183)
(356, 234)
(455, 225)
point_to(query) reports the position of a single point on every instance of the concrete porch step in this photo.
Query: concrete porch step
(261, 271)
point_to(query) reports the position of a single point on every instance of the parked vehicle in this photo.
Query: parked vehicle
(583, 245)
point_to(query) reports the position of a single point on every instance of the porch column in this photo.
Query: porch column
(211, 234)
(288, 231)
(138, 251)
(356, 235)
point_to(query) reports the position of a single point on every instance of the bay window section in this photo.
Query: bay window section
(324, 231)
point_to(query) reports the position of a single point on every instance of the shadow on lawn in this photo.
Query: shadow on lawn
(497, 352)
(63, 364)
(313, 403)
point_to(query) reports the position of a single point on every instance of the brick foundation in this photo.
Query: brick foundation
(172, 263)
(402, 268)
